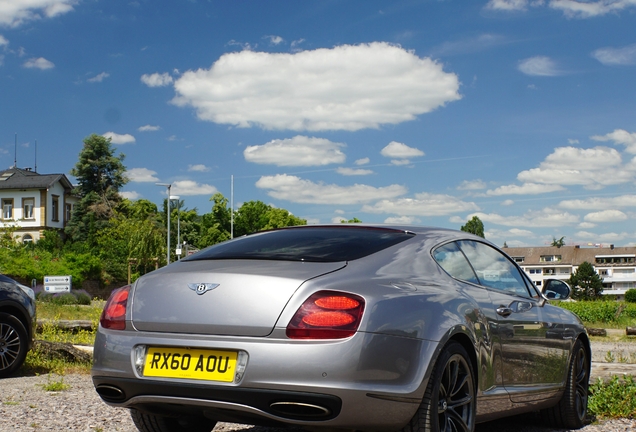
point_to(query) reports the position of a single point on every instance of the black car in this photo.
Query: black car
(17, 319)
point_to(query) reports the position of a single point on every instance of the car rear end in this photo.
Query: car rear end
(259, 341)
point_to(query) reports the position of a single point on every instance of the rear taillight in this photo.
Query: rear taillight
(114, 313)
(327, 315)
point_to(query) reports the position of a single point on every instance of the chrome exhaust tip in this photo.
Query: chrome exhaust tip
(110, 393)
(299, 410)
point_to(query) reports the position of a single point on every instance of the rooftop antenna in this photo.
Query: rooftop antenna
(36, 157)
(15, 152)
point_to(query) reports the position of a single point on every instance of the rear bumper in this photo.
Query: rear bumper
(366, 382)
(157, 397)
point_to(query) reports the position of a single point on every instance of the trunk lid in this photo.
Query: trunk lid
(247, 301)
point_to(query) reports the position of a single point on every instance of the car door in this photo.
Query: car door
(534, 352)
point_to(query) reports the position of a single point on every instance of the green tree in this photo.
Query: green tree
(216, 225)
(586, 283)
(100, 175)
(474, 226)
(354, 220)
(558, 243)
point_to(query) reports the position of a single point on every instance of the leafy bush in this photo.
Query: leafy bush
(593, 311)
(630, 296)
(79, 297)
(602, 312)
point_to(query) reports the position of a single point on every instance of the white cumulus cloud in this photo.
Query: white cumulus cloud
(616, 56)
(539, 66)
(295, 189)
(116, 138)
(398, 150)
(142, 175)
(353, 171)
(189, 188)
(99, 78)
(322, 89)
(362, 161)
(3, 41)
(148, 128)
(524, 189)
(584, 167)
(131, 195)
(424, 204)
(297, 151)
(507, 5)
(620, 136)
(198, 168)
(599, 203)
(548, 217)
(16, 12)
(605, 216)
(157, 79)
(590, 9)
(38, 63)
(472, 185)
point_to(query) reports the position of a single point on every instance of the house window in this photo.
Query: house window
(518, 259)
(68, 209)
(7, 208)
(55, 209)
(549, 258)
(27, 205)
(27, 238)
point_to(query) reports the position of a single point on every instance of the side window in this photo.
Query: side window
(451, 259)
(494, 269)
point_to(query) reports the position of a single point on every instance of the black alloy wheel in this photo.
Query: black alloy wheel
(13, 344)
(571, 411)
(449, 403)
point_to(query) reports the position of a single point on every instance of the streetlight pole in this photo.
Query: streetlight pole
(176, 197)
(168, 185)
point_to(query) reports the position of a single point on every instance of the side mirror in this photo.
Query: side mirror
(555, 289)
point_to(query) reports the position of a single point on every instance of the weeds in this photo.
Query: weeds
(55, 386)
(613, 399)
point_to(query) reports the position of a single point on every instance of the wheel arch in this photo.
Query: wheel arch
(467, 344)
(20, 314)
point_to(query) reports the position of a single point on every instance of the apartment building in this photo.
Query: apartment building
(33, 203)
(616, 265)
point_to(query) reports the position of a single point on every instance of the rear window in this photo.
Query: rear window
(313, 244)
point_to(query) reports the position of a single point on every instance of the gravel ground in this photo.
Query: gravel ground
(26, 406)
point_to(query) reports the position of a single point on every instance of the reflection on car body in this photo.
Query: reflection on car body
(358, 327)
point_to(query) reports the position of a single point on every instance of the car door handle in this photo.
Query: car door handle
(504, 311)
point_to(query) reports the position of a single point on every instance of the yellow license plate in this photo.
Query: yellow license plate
(201, 364)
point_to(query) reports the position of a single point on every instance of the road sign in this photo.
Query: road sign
(55, 284)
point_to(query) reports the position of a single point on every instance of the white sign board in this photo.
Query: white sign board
(55, 284)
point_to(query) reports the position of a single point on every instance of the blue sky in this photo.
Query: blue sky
(522, 112)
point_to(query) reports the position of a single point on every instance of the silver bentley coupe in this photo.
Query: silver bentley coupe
(342, 327)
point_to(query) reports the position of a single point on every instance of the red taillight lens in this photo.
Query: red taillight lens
(114, 313)
(327, 315)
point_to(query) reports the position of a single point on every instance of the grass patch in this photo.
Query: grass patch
(47, 310)
(55, 386)
(613, 399)
(37, 363)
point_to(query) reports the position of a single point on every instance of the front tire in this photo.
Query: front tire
(571, 411)
(13, 344)
(449, 402)
(152, 423)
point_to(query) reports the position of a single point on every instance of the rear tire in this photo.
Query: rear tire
(571, 411)
(153, 423)
(13, 344)
(449, 401)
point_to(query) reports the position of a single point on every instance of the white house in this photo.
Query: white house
(33, 203)
(615, 265)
